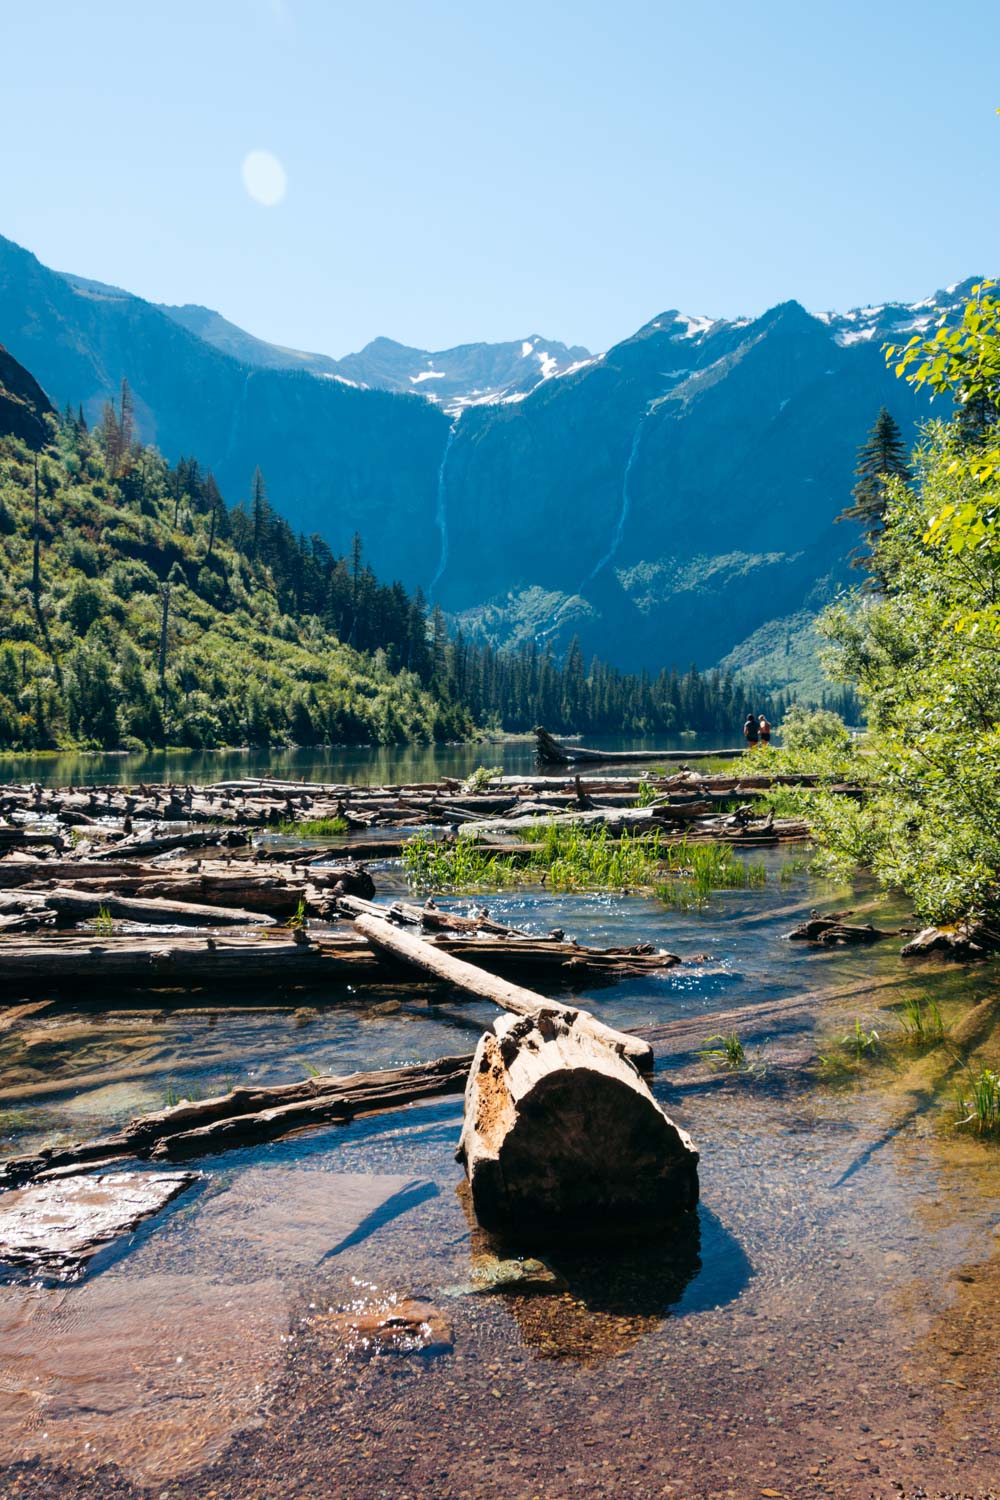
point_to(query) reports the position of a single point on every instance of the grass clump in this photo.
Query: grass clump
(104, 922)
(567, 858)
(729, 1053)
(316, 828)
(563, 858)
(435, 865)
(704, 868)
(572, 858)
(981, 1109)
(922, 1023)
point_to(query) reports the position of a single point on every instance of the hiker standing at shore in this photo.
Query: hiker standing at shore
(765, 731)
(750, 731)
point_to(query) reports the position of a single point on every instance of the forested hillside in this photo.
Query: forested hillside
(137, 608)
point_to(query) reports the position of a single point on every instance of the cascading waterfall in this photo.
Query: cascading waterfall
(441, 512)
(616, 539)
(625, 505)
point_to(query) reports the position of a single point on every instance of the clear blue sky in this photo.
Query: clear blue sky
(472, 171)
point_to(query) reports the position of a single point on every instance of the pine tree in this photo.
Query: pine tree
(260, 511)
(881, 457)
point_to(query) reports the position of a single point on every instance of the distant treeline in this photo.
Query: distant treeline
(527, 686)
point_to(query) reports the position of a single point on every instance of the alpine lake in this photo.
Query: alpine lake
(824, 1324)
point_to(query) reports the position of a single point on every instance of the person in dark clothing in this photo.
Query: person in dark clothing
(750, 731)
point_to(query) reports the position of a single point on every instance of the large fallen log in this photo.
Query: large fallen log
(521, 1002)
(28, 966)
(34, 965)
(562, 1138)
(140, 848)
(77, 906)
(551, 752)
(430, 916)
(246, 1115)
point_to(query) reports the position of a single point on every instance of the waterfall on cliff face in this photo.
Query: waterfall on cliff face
(441, 511)
(623, 513)
(623, 509)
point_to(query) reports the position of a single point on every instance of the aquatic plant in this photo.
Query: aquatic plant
(434, 864)
(299, 918)
(922, 1023)
(104, 922)
(981, 1110)
(730, 1053)
(647, 793)
(705, 868)
(567, 858)
(316, 828)
(862, 1043)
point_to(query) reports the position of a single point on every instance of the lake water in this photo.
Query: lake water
(825, 1325)
(375, 765)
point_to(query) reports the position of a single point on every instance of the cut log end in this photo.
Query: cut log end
(564, 1141)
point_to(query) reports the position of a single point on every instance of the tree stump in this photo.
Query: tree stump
(563, 1140)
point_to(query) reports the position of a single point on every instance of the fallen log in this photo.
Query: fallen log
(562, 1138)
(246, 1115)
(831, 932)
(77, 906)
(521, 1002)
(964, 940)
(140, 848)
(551, 752)
(28, 966)
(429, 916)
(34, 965)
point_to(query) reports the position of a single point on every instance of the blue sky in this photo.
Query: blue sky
(459, 172)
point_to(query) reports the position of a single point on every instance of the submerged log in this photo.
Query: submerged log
(521, 1002)
(58, 1227)
(562, 1138)
(245, 1115)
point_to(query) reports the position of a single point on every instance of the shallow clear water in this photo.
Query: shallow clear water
(807, 1334)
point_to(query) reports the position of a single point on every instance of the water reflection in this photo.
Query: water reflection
(362, 764)
(605, 1300)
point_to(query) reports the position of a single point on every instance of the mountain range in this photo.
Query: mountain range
(672, 499)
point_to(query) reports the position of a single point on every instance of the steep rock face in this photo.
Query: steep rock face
(336, 460)
(23, 404)
(685, 486)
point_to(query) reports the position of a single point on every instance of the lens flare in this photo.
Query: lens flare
(264, 178)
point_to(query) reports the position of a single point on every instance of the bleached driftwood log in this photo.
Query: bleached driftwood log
(563, 1139)
(513, 997)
